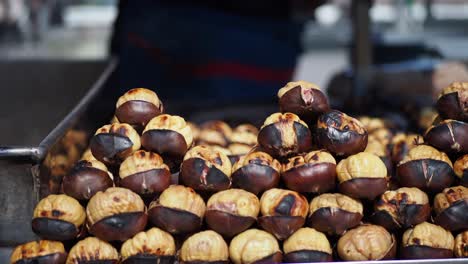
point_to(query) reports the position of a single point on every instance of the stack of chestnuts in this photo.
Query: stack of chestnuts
(313, 184)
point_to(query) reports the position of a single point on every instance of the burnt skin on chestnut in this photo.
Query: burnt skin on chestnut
(283, 212)
(461, 169)
(42, 251)
(312, 173)
(307, 245)
(362, 176)
(284, 135)
(452, 102)
(58, 217)
(116, 214)
(461, 245)
(232, 211)
(144, 173)
(152, 246)
(254, 247)
(178, 210)
(427, 241)
(449, 136)
(334, 213)
(451, 208)
(401, 208)
(137, 107)
(92, 250)
(204, 247)
(340, 134)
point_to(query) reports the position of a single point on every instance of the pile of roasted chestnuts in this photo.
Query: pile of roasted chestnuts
(312, 184)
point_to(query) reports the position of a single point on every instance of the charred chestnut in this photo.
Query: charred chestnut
(367, 242)
(334, 213)
(256, 172)
(116, 214)
(178, 210)
(461, 169)
(284, 135)
(58, 217)
(314, 172)
(363, 175)
(427, 241)
(204, 247)
(152, 246)
(341, 134)
(87, 178)
(451, 208)
(461, 245)
(404, 207)
(283, 212)
(214, 132)
(453, 102)
(426, 168)
(232, 211)
(304, 99)
(402, 144)
(307, 245)
(256, 247)
(137, 107)
(92, 250)
(43, 251)
(144, 173)
(449, 136)
(113, 143)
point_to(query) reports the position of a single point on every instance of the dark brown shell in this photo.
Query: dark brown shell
(408, 215)
(314, 178)
(226, 224)
(308, 107)
(449, 137)
(55, 258)
(270, 139)
(205, 262)
(429, 175)
(54, 229)
(149, 259)
(197, 174)
(450, 107)
(281, 226)
(364, 188)
(137, 113)
(167, 143)
(425, 252)
(255, 178)
(272, 259)
(333, 221)
(106, 147)
(119, 227)
(173, 220)
(455, 217)
(147, 183)
(307, 256)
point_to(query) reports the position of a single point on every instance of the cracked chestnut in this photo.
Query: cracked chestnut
(178, 210)
(453, 102)
(255, 247)
(232, 211)
(116, 214)
(283, 212)
(451, 208)
(461, 169)
(449, 136)
(42, 251)
(461, 245)
(312, 173)
(92, 250)
(58, 217)
(307, 245)
(427, 241)
(204, 247)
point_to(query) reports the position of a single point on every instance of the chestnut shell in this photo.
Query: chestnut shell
(273, 258)
(333, 221)
(255, 178)
(425, 252)
(167, 143)
(106, 146)
(281, 226)
(226, 224)
(83, 182)
(451, 138)
(364, 188)
(429, 175)
(101, 261)
(205, 262)
(196, 173)
(55, 258)
(149, 259)
(307, 256)
(137, 113)
(409, 215)
(119, 227)
(174, 221)
(314, 178)
(450, 107)
(269, 138)
(54, 229)
(315, 103)
(147, 182)
(455, 217)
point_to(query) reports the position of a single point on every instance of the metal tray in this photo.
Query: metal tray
(42, 166)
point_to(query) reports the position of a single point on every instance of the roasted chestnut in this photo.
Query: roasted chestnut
(178, 210)
(232, 211)
(379, 149)
(404, 207)
(451, 208)
(169, 136)
(461, 245)
(43, 251)
(116, 214)
(144, 173)
(363, 175)
(427, 241)
(88, 155)
(58, 217)
(113, 143)
(461, 169)
(307, 245)
(137, 107)
(245, 134)
(256, 172)
(334, 213)
(152, 246)
(195, 130)
(204, 247)
(214, 132)
(254, 247)
(91, 250)
(314, 172)
(426, 168)
(367, 242)
(449, 136)
(372, 123)
(303, 99)
(340, 134)
(402, 144)
(382, 135)
(284, 135)
(283, 212)
(87, 178)
(453, 102)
